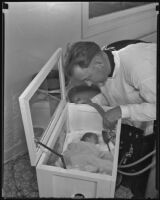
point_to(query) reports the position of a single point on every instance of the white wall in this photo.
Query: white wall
(33, 31)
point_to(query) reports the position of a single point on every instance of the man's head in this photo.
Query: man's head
(87, 63)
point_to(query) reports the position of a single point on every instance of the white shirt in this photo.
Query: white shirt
(133, 85)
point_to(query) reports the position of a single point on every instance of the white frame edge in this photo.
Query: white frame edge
(25, 109)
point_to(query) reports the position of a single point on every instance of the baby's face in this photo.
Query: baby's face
(91, 139)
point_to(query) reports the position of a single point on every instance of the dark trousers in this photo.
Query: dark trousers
(142, 145)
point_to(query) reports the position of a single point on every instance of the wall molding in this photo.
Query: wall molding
(97, 25)
(151, 37)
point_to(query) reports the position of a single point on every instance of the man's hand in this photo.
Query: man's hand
(111, 116)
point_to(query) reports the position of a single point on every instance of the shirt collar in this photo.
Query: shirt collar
(117, 63)
(109, 54)
(114, 61)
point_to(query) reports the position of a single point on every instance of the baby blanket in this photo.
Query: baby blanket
(87, 157)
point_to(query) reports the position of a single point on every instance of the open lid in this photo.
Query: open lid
(41, 108)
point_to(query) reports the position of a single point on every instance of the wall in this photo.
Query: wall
(144, 29)
(33, 31)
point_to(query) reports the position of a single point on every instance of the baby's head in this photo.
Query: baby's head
(90, 137)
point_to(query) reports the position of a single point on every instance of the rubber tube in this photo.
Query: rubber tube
(138, 161)
(139, 172)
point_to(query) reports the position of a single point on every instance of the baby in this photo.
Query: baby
(90, 137)
(93, 139)
(85, 155)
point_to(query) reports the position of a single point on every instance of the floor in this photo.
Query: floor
(19, 180)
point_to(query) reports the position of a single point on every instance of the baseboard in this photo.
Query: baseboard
(14, 152)
(14, 157)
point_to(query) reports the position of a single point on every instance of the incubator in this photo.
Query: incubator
(49, 119)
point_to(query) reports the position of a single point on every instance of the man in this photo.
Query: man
(126, 78)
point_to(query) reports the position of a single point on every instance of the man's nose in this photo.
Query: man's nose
(89, 83)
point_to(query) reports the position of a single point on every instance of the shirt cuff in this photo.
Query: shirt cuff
(125, 111)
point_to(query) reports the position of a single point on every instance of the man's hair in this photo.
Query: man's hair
(80, 53)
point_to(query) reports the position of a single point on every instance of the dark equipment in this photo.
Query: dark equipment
(134, 146)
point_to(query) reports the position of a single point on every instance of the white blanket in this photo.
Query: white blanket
(87, 156)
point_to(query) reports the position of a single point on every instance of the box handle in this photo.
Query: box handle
(78, 196)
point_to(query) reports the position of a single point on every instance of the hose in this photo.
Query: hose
(97, 107)
(54, 97)
(139, 172)
(138, 161)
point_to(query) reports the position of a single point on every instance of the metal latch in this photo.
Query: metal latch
(42, 148)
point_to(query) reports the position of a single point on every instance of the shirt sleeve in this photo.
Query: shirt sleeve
(145, 111)
(100, 100)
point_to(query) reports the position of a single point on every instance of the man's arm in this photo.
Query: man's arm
(139, 112)
(145, 111)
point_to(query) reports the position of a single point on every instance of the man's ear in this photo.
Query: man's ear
(98, 63)
(97, 66)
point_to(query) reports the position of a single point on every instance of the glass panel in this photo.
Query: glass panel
(44, 103)
(58, 147)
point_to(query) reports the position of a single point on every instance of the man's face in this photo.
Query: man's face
(96, 73)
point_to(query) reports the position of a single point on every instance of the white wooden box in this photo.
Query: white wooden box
(67, 117)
